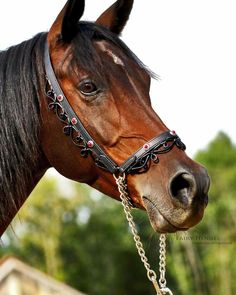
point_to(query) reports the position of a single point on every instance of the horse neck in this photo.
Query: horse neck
(12, 197)
(22, 162)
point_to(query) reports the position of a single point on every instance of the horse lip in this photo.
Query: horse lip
(170, 226)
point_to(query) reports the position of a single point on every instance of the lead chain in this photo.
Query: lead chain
(122, 187)
(162, 265)
(162, 261)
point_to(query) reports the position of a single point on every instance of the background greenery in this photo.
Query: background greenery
(81, 237)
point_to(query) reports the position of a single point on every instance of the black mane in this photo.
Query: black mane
(21, 77)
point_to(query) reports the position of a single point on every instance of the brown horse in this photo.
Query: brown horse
(99, 90)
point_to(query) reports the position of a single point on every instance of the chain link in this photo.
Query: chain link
(124, 195)
(162, 261)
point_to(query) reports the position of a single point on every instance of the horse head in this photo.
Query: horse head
(107, 88)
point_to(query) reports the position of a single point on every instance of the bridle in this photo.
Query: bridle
(137, 163)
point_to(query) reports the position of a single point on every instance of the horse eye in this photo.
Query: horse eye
(88, 88)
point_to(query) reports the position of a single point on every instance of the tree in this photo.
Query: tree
(219, 258)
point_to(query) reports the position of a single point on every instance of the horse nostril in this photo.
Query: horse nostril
(183, 187)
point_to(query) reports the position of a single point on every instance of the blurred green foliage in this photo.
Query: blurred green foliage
(82, 238)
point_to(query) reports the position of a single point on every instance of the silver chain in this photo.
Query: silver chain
(124, 196)
(162, 265)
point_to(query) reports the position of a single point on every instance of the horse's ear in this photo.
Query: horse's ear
(116, 16)
(66, 24)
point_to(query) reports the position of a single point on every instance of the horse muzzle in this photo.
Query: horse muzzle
(181, 204)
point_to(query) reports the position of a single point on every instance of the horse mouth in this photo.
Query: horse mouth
(159, 221)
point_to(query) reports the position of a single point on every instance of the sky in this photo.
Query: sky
(190, 44)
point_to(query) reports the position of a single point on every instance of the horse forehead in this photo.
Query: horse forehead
(104, 48)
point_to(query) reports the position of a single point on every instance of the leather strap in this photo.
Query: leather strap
(139, 162)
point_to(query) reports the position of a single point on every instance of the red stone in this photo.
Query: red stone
(146, 146)
(73, 121)
(172, 132)
(90, 143)
(60, 97)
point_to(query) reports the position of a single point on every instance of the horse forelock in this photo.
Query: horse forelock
(86, 55)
